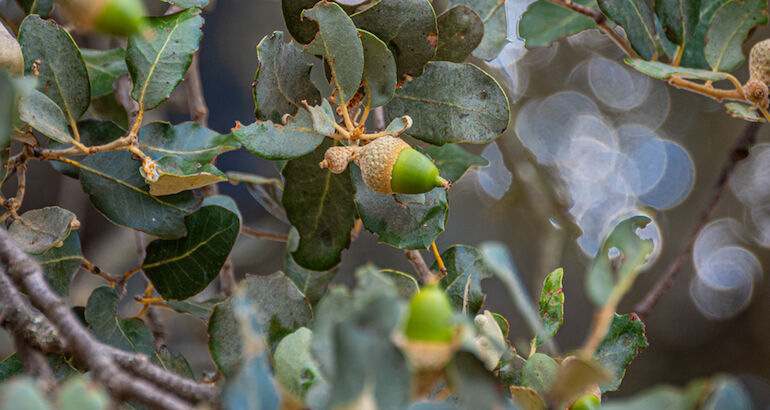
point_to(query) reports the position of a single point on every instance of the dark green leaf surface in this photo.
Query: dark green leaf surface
(295, 367)
(40, 229)
(413, 41)
(109, 109)
(665, 71)
(173, 363)
(475, 386)
(637, 20)
(551, 305)
(117, 189)
(187, 140)
(10, 367)
(539, 373)
(545, 22)
(492, 13)
(280, 309)
(678, 18)
(41, 7)
(337, 42)
(461, 30)
(463, 264)
(313, 284)
(729, 28)
(282, 80)
(159, 56)
(126, 334)
(379, 76)
(623, 341)
(275, 141)
(744, 112)
(63, 75)
(620, 259)
(180, 268)
(42, 114)
(413, 227)
(320, 205)
(303, 30)
(452, 103)
(405, 284)
(60, 263)
(266, 191)
(201, 310)
(104, 67)
(452, 160)
(693, 55)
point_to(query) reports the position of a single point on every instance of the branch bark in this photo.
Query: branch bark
(738, 153)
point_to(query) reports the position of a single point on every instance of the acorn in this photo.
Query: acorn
(389, 165)
(430, 316)
(586, 402)
(116, 17)
(756, 89)
(336, 159)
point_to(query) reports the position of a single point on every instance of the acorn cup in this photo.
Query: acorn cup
(756, 89)
(116, 17)
(10, 52)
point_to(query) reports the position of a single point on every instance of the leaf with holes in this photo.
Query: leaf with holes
(60, 263)
(320, 205)
(104, 67)
(40, 229)
(127, 334)
(180, 268)
(452, 103)
(413, 41)
(492, 13)
(729, 28)
(620, 259)
(453, 161)
(282, 80)
(461, 32)
(62, 72)
(464, 264)
(678, 18)
(623, 341)
(405, 225)
(637, 20)
(551, 305)
(379, 76)
(275, 141)
(158, 56)
(545, 22)
(338, 43)
(42, 114)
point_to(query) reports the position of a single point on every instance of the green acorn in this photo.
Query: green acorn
(586, 402)
(116, 17)
(389, 165)
(430, 316)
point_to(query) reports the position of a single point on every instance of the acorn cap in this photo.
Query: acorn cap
(336, 159)
(759, 62)
(388, 165)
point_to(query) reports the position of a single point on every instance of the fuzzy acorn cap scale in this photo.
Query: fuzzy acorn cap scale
(376, 161)
(759, 62)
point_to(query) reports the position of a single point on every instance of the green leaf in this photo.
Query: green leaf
(79, 393)
(201, 310)
(475, 386)
(119, 192)
(405, 225)
(63, 76)
(279, 308)
(663, 397)
(404, 283)
(60, 263)
(303, 30)
(693, 55)
(40, 229)
(678, 18)
(42, 114)
(664, 71)
(620, 259)
(126, 334)
(623, 341)
(10, 367)
(186, 4)
(313, 284)
(180, 268)
(8, 104)
(412, 41)
(41, 7)
(267, 191)
(463, 264)
(452, 103)
(187, 140)
(452, 160)
(461, 32)
(323, 118)
(492, 13)
(337, 41)
(109, 109)
(92, 132)
(551, 305)
(282, 80)
(158, 56)
(637, 20)
(539, 373)
(275, 141)
(173, 363)
(320, 205)
(175, 174)
(104, 67)
(379, 76)
(729, 28)
(22, 393)
(744, 112)
(545, 22)
(295, 367)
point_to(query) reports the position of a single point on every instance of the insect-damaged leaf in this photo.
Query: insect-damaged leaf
(623, 341)
(180, 268)
(551, 305)
(175, 174)
(282, 80)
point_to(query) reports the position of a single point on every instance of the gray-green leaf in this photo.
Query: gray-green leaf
(492, 13)
(60, 263)
(545, 22)
(464, 264)
(379, 76)
(678, 18)
(461, 30)
(276, 141)
(40, 229)
(42, 114)
(126, 334)
(104, 67)
(729, 28)
(637, 20)
(452, 160)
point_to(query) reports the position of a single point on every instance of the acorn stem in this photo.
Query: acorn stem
(442, 183)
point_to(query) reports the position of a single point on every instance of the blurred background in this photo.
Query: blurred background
(590, 142)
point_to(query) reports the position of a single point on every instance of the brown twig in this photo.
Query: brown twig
(424, 275)
(264, 235)
(739, 152)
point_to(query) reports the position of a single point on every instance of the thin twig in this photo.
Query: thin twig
(424, 275)
(601, 21)
(264, 235)
(738, 153)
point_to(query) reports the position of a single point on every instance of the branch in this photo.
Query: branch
(738, 153)
(264, 235)
(424, 275)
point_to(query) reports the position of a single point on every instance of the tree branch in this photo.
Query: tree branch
(739, 152)
(424, 275)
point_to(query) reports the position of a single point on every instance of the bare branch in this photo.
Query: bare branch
(264, 235)
(424, 275)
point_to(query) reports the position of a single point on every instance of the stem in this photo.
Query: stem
(739, 152)
(439, 261)
(708, 90)
(424, 275)
(601, 21)
(264, 235)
